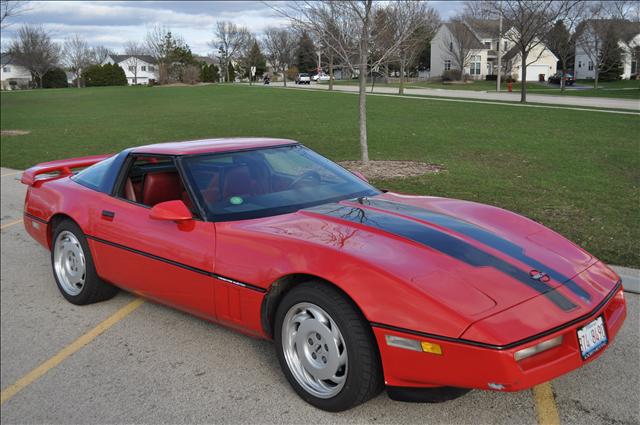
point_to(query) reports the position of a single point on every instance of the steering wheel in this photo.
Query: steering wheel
(307, 175)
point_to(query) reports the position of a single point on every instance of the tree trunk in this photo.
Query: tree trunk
(284, 77)
(364, 149)
(564, 74)
(597, 75)
(226, 72)
(401, 89)
(78, 80)
(40, 78)
(523, 82)
(331, 71)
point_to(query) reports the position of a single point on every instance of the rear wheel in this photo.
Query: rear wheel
(326, 348)
(73, 267)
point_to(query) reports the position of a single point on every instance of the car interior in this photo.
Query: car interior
(152, 180)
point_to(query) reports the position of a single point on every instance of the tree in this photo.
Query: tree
(231, 72)
(459, 44)
(529, 21)
(98, 54)
(208, 73)
(34, 50)
(134, 50)
(346, 27)
(597, 34)
(229, 39)
(55, 78)
(279, 45)
(76, 56)
(164, 46)
(252, 56)
(561, 39)
(306, 58)
(10, 8)
(610, 64)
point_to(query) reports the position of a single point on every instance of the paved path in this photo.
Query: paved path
(580, 101)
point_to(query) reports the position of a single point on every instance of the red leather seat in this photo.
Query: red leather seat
(237, 182)
(161, 187)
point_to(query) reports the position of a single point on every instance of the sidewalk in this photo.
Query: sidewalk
(630, 278)
(580, 101)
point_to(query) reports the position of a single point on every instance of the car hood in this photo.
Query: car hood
(446, 264)
(475, 258)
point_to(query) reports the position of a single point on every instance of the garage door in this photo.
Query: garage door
(534, 70)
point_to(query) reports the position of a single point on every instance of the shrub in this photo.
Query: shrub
(451, 75)
(54, 79)
(105, 75)
(292, 73)
(491, 77)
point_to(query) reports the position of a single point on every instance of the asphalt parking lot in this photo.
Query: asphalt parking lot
(157, 365)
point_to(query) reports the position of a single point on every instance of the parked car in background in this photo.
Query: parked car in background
(320, 77)
(303, 78)
(569, 78)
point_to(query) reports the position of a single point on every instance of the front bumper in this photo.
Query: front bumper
(472, 366)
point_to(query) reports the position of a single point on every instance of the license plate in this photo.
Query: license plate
(592, 337)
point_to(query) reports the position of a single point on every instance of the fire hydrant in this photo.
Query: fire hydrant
(510, 86)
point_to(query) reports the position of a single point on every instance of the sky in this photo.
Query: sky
(113, 23)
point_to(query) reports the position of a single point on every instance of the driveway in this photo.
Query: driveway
(579, 101)
(127, 361)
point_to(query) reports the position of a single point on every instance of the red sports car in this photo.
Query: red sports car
(359, 288)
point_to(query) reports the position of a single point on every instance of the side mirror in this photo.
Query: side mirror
(171, 211)
(360, 176)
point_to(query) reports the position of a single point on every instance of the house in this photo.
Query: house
(483, 54)
(629, 43)
(13, 75)
(139, 69)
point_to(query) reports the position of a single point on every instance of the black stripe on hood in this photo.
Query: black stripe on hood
(442, 242)
(479, 234)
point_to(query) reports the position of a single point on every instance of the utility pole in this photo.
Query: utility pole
(499, 55)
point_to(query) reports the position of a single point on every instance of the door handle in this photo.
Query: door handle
(108, 215)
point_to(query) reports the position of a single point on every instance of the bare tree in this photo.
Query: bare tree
(561, 39)
(134, 50)
(602, 23)
(98, 54)
(34, 50)
(459, 44)
(10, 8)
(76, 56)
(280, 44)
(529, 21)
(421, 21)
(346, 28)
(229, 40)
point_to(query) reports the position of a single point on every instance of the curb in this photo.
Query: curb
(630, 278)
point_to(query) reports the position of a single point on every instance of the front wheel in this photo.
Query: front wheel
(73, 267)
(326, 349)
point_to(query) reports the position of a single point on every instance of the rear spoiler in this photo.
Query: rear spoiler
(56, 169)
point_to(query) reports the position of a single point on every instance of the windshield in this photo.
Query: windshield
(265, 182)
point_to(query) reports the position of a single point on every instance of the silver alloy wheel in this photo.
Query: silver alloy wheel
(69, 263)
(315, 350)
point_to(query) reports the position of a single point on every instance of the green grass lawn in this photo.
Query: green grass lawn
(575, 171)
(624, 89)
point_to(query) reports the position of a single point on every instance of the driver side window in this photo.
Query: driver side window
(151, 180)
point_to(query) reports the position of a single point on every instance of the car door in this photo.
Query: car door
(170, 262)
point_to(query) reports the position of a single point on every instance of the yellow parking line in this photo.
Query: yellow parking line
(13, 223)
(69, 350)
(546, 409)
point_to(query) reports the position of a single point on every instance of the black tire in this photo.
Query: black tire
(364, 377)
(94, 288)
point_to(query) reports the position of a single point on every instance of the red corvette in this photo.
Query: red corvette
(360, 289)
